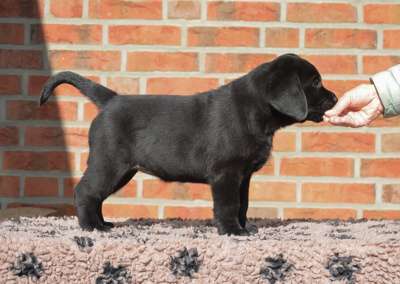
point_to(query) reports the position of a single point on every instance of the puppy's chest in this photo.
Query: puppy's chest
(260, 154)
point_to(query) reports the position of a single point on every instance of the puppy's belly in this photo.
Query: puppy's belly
(173, 175)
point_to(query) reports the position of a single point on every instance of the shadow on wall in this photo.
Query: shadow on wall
(35, 164)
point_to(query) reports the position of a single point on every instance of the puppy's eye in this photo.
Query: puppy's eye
(316, 83)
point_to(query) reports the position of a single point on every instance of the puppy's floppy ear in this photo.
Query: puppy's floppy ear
(287, 96)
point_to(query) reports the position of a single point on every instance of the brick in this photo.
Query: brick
(262, 212)
(21, 8)
(321, 12)
(391, 39)
(30, 110)
(124, 85)
(391, 142)
(313, 124)
(9, 186)
(272, 191)
(381, 214)
(125, 9)
(55, 33)
(162, 61)
(145, 35)
(391, 193)
(56, 136)
(268, 168)
(174, 190)
(281, 37)
(90, 111)
(338, 193)
(385, 122)
(41, 186)
(338, 142)
(128, 210)
(11, 33)
(69, 185)
(61, 209)
(10, 85)
(184, 9)
(334, 64)
(66, 9)
(129, 190)
(36, 83)
(284, 142)
(85, 60)
(234, 62)
(382, 14)
(389, 167)
(319, 214)
(340, 38)
(341, 167)
(374, 64)
(180, 86)
(8, 136)
(188, 212)
(38, 161)
(225, 36)
(243, 11)
(21, 59)
(339, 87)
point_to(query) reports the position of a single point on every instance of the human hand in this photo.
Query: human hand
(358, 107)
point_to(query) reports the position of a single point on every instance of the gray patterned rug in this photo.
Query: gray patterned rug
(55, 250)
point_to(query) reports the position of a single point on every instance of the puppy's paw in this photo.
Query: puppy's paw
(251, 228)
(103, 228)
(236, 231)
(88, 228)
(108, 224)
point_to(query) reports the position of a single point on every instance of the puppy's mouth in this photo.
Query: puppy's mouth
(315, 116)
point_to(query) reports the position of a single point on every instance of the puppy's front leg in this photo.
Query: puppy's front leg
(225, 191)
(244, 205)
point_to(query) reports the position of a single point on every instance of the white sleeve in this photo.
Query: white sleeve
(387, 84)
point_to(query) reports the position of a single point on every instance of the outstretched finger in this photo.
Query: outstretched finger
(343, 103)
(352, 119)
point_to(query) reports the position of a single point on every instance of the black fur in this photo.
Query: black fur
(220, 137)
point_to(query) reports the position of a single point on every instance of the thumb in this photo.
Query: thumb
(343, 103)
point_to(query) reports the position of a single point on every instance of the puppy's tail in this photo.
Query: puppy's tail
(97, 93)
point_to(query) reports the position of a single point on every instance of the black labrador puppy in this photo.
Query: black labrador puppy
(220, 137)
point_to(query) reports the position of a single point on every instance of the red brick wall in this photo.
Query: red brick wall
(182, 47)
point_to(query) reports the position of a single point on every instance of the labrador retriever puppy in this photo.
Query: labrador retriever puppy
(220, 137)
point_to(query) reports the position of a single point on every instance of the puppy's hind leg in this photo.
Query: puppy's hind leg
(87, 201)
(124, 179)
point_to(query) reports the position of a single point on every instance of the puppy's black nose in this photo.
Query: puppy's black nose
(334, 98)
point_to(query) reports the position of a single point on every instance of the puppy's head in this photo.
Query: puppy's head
(294, 88)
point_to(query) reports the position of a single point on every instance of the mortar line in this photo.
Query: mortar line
(22, 186)
(142, 85)
(104, 35)
(60, 184)
(357, 167)
(165, 8)
(21, 136)
(124, 60)
(298, 192)
(27, 33)
(378, 194)
(203, 10)
(47, 13)
(85, 9)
